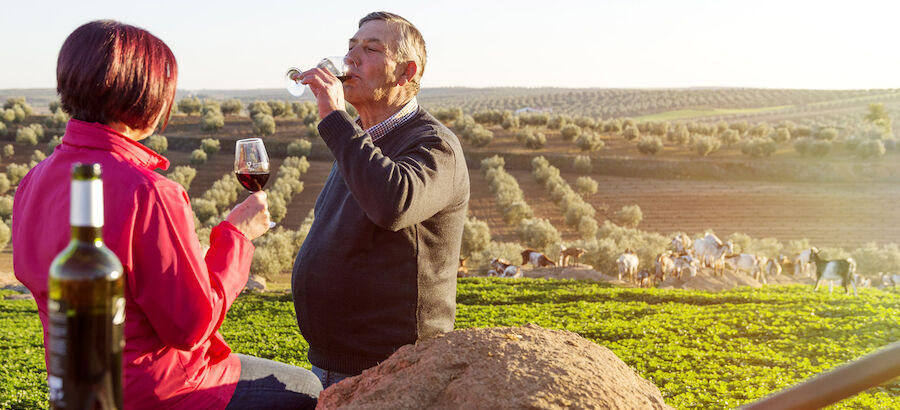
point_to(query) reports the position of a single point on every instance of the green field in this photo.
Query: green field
(703, 350)
(690, 114)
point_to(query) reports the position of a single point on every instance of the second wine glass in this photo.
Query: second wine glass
(251, 165)
(337, 65)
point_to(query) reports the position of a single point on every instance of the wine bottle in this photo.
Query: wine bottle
(86, 307)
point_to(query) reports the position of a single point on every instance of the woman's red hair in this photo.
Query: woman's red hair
(113, 72)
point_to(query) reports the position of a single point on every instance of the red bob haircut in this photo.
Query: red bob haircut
(113, 72)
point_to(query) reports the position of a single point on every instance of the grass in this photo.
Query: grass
(703, 350)
(686, 114)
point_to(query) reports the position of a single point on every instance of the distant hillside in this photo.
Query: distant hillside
(688, 104)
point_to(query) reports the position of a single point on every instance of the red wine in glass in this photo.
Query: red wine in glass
(253, 181)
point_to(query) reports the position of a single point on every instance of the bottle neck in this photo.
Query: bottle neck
(86, 210)
(87, 234)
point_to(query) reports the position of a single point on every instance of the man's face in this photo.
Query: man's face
(373, 67)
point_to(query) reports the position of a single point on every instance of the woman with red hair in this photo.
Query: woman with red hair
(118, 82)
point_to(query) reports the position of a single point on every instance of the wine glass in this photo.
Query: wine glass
(251, 165)
(337, 65)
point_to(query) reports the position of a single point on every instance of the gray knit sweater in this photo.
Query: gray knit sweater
(378, 268)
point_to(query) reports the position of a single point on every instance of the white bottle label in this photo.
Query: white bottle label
(86, 208)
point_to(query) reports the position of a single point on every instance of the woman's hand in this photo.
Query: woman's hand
(251, 216)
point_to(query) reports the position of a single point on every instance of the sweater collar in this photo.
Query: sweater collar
(94, 135)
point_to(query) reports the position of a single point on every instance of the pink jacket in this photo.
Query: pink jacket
(175, 299)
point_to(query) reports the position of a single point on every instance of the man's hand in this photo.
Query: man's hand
(329, 91)
(251, 216)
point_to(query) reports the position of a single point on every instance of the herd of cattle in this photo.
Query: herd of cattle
(688, 256)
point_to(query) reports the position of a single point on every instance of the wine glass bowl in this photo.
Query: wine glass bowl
(337, 65)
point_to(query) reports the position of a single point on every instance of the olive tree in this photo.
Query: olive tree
(263, 124)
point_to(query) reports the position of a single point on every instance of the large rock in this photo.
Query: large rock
(523, 367)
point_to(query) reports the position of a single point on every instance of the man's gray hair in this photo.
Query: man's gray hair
(411, 46)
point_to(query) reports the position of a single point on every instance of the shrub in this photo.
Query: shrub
(158, 143)
(781, 135)
(274, 253)
(586, 186)
(707, 145)
(3, 129)
(53, 106)
(446, 115)
(827, 134)
(510, 121)
(16, 172)
(759, 147)
(210, 146)
(480, 136)
(5, 235)
(190, 105)
(204, 209)
(631, 133)
(535, 140)
(649, 145)
(872, 259)
(4, 183)
(730, 137)
(57, 120)
(183, 175)
(198, 157)
(871, 149)
(281, 109)
(582, 164)
(570, 132)
(680, 134)
(53, 142)
(299, 148)
(232, 107)
(263, 124)
(37, 156)
(539, 234)
(306, 109)
(259, 107)
(495, 161)
(516, 211)
(25, 135)
(819, 148)
(212, 120)
(6, 207)
(630, 216)
(9, 150)
(801, 145)
(590, 142)
(7, 116)
(476, 237)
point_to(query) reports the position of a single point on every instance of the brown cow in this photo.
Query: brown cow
(536, 258)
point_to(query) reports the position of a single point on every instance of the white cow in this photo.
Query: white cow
(665, 265)
(628, 264)
(803, 263)
(711, 250)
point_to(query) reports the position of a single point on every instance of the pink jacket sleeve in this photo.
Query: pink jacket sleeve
(184, 297)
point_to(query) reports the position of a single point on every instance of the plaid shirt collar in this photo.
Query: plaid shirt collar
(379, 130)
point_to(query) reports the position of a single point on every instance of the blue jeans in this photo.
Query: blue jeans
(328, 377)
(267, 384)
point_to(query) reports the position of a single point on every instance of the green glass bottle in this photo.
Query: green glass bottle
(86, 307)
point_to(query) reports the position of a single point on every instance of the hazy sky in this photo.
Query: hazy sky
(247, 44)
